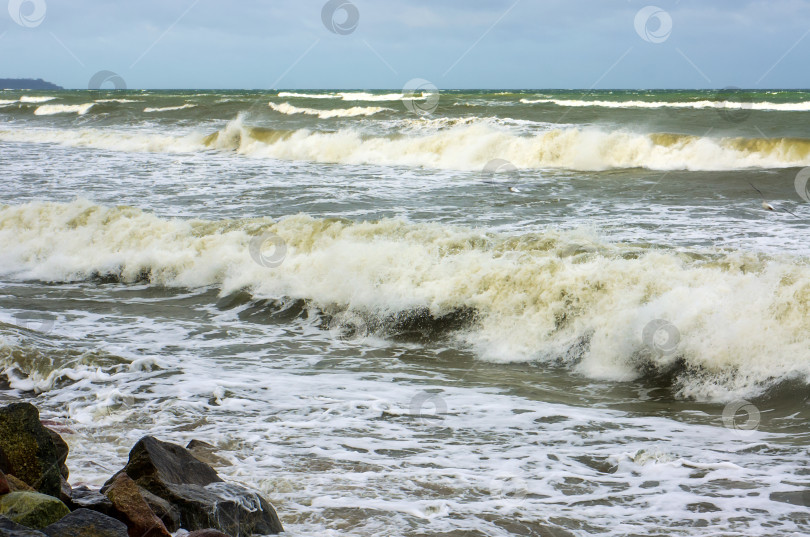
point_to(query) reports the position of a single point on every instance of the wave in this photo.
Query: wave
(544, 297)
(169, 108)
(43, 99)
(466, 147)
(782, 107)
(362, 96)
(356, 96)
(292, 95)
(53, 109)
(286, 108)
(122, 101)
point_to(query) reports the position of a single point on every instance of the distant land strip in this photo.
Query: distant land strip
(27, 83)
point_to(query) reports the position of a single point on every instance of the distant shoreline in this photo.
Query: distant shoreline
(27, 84)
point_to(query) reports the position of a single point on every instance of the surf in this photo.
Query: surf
(464, 147)
(536, 297)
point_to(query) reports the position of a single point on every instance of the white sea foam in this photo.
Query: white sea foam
(356, 96)
(699, 105)
(286, 108)
(116, 101)
(363, 96)
(170, 108)
(53, 109)
(741, 318)
(29, 99)
(307, 95)
(466, 147)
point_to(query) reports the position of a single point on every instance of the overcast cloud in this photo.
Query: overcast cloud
(263, 44)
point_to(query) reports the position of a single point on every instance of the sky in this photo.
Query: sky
(370, 44)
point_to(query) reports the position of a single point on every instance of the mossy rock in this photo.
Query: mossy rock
(32, 509)
(29, 448)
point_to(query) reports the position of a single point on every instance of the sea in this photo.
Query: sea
(426, 312)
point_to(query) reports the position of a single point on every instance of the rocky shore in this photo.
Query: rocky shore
(163, 489)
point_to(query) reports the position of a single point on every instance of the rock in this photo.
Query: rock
(202, 497)
(17, 485)
(167, 513)
(12, 529)
(86, 523)
(132, 509)
(4, 464)
(62, 451)
(84, 497)
(64, 491)
(32, 509)
(29, 448)
(4, 486)
(207, 533)
(153, 463)
(226, 507)
(206, 453)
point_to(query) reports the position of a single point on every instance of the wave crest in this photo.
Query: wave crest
(53, 109)
(698, 105)
(742, 318)
(286, 108)
(464, 147)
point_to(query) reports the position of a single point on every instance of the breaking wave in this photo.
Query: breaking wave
(465, 147)
(699, 105)
(562, 297)
(170, 108)
(53, 109)
(286, 108)
(356, 96)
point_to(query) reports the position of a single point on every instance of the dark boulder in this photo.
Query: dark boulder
(84, 497)
(62, 450)
(206, 453)
(227, 507)
(65, 491)
(153, 464)
(204, 500)
(4, 486)
(207, 533)
(3, 461)
(29, 447)
(12, 529)
(167, 513)
(32, 509)
(131, 508)
(86, 523)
